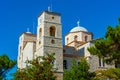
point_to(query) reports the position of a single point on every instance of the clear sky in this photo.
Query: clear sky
(17, 15)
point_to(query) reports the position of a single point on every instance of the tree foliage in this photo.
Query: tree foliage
(79, 71)
(113, 73)
(40, 68)
(108, 48)
(5, 65)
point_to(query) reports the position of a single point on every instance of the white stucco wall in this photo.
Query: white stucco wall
(71, 37)
(80, 37)
(28, 53)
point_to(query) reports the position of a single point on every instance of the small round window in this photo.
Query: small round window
(53, 41)
(53, 17)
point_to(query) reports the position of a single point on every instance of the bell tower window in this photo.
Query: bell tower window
(52, 31)
(40, 32)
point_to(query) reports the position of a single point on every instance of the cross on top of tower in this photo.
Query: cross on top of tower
(28, 30)
(78, 22)
(50, 7)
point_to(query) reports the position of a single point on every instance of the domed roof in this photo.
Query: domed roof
(78, 28)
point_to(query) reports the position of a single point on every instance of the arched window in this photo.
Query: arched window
(65, 64)
(67, 40)
(75, 37)
(101, 63)
(53, 62)
(78, 63)
(52, 31)
(86, 38)
(40, 32)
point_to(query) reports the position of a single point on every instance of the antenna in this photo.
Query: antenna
(51, 6)
(33, 28)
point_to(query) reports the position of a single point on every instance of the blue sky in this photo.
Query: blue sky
(17, 15)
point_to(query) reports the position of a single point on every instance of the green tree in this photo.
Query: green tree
(79, 71)
(113, 73)
(38, 70)
(108, 48)
(5, 65)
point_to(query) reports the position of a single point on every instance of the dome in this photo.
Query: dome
(78, 28)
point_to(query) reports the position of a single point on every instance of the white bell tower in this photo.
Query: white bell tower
(49, 38)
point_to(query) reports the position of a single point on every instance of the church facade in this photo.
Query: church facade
(49, 40)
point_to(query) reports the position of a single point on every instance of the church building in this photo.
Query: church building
(49, 40)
